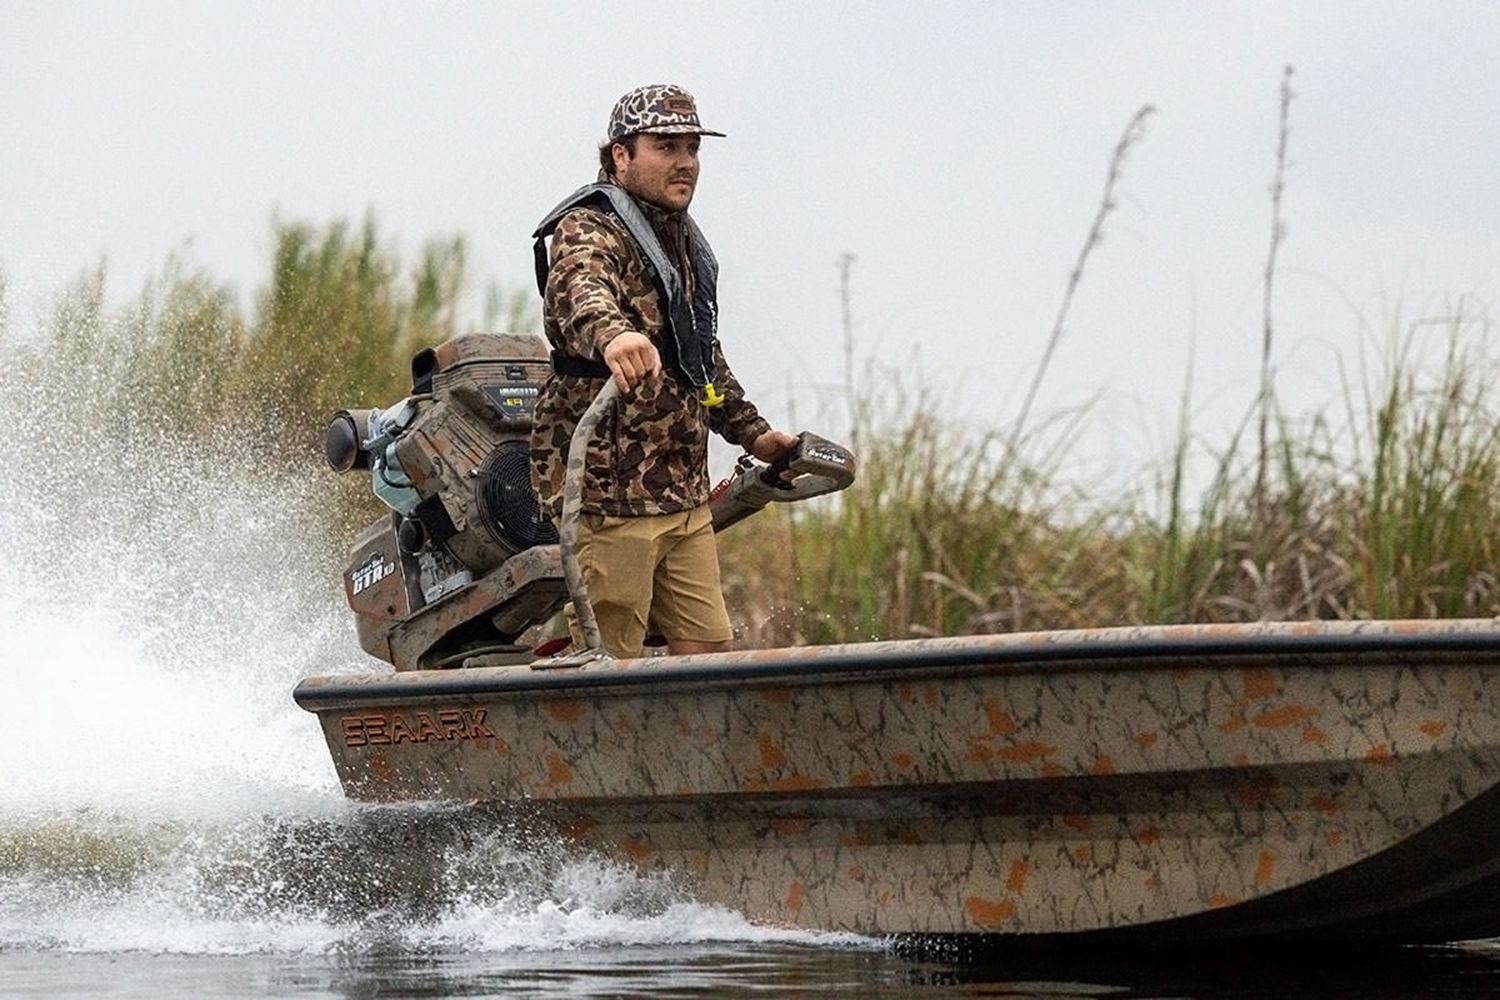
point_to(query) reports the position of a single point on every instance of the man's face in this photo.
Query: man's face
(663, 171)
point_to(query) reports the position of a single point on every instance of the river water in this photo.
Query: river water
(170, 824)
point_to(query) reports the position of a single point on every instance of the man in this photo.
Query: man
(629, 293)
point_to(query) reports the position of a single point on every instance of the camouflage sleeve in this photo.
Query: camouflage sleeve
(736, 419)
(583, 285)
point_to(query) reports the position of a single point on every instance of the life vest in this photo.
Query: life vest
(693, 322)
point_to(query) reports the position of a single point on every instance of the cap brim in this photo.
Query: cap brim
(671, 130)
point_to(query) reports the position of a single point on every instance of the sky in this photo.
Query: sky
(958, 150)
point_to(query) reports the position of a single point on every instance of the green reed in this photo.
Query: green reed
(1383, 507)
(1390, 512)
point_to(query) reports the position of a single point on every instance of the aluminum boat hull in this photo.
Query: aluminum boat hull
(1336, 780)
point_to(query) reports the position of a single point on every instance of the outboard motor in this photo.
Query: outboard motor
(452, 462)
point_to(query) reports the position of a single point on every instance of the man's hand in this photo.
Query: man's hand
(633, 359)
(772, 445)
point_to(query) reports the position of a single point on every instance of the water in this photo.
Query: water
(170, 825)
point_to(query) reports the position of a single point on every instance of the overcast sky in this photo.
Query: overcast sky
(959, 150)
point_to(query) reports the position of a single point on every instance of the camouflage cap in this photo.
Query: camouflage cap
(656, 107)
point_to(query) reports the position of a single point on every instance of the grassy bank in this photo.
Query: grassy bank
(1384, 507)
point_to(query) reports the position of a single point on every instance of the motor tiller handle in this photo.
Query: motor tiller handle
(819, 465)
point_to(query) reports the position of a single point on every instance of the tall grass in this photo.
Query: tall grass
(1394, 516)
(335, 325)
(1386, 507)
(1423, 533)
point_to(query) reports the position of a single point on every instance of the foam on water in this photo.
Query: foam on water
(159, 790)
(295, 885)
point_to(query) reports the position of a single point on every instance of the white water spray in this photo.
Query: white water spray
(161, 792)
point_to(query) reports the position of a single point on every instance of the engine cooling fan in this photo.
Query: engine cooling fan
(508, 507)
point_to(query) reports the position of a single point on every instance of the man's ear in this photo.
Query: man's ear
(620, 155)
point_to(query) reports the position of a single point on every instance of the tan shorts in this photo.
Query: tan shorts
(662, 569)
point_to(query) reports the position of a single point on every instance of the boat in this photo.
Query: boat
(1307, 781)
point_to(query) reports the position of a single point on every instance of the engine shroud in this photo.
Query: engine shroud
(473, 564)
(466, 453)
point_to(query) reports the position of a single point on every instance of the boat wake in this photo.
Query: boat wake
(162, 792)
(355, 881)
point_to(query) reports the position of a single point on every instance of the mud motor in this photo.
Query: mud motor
(464, 564)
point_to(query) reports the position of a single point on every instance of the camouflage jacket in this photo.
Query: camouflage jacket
(650, 455)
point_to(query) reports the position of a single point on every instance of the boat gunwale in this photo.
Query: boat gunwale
(1165, 647)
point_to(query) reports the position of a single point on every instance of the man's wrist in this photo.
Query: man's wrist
(753, 434)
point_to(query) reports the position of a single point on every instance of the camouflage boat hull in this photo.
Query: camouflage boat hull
(1339, 780)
